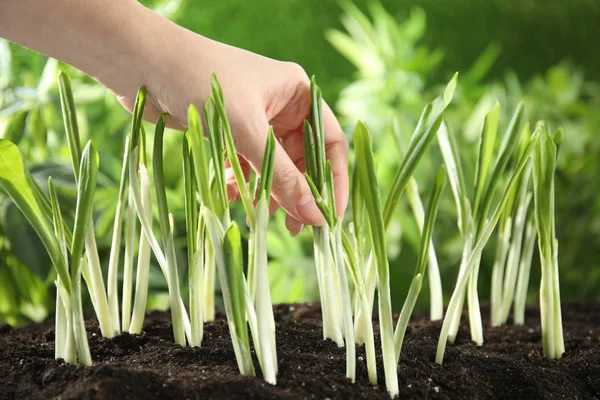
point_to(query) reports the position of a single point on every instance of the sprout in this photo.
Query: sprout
(93, 271)
(544, 165)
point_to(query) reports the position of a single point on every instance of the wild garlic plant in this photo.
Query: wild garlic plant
(544, 167)
(247, 300)
(329, 255)
(357, 255)
(92, 270)
(426, 129)
(473, 218)
(368, 187)
(510, 251)
(436, 299)
(65, 246)
(366, 258)
(536, 154)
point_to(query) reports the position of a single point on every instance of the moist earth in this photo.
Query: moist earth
(508, 366)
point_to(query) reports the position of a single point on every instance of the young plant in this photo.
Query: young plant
(426, 129)
(417, 281)
(133, 321)
(472, 254)
(329, 254)
(64, 248)
(544, 166)
(139, 181)
(367, 179)
(92, 272)
(436, 300)
(473, 216)
(259, 308)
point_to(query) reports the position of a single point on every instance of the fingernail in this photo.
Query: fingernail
(295, 227)
(308, 210)
(297, 232)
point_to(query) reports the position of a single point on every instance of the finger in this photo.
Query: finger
(151, 112)
(289, 189)
(336, 147)
(233, 192)
(293, 225)
(273, 207)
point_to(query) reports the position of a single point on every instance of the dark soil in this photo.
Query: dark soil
(509, 365)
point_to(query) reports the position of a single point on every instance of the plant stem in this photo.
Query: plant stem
(502, 249)
(143, 264)
(524, 271)
(115, 246)
(130, 231)
(514, 258)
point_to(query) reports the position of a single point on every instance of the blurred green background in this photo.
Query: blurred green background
(374, 61)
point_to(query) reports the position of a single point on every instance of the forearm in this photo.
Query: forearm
(102, 38)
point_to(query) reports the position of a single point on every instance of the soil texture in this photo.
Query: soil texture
(508, 366)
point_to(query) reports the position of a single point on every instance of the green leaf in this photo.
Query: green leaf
(15, 128)
(427, 127)
(365, 167)
(86, 187)
(191, 209)
(544, 165)
(232, 248)
(199, 157)
(451, 156)
(266, 175)
(316, 115)
(159, 178)
(232, 155)
(486, 151)
(309, 150)
(70, 120)
(37, 127)
(136, 123)
(19, 185)
(215, 138)
(430, 216)
(508, 148)
(321, 203)
(59, 223)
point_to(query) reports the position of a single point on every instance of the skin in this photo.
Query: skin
(124, 45)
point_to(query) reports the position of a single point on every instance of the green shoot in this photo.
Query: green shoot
(415, 286)
(166, 228)
(324, 251)
(224, 241)
(86, 187)
(524, 270)
(115, 246)
(474, 255)
(436, 302)
(167, 263)
(427, 127)
(260, 278)
(368, 181)
(328, 246)
(195, 249)
(544, 166)
(93, 272)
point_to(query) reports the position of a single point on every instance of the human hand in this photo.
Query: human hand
(258, 92)
(124, 45)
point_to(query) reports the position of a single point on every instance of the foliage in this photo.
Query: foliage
(405, 56)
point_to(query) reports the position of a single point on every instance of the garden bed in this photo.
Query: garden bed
(509, 365)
